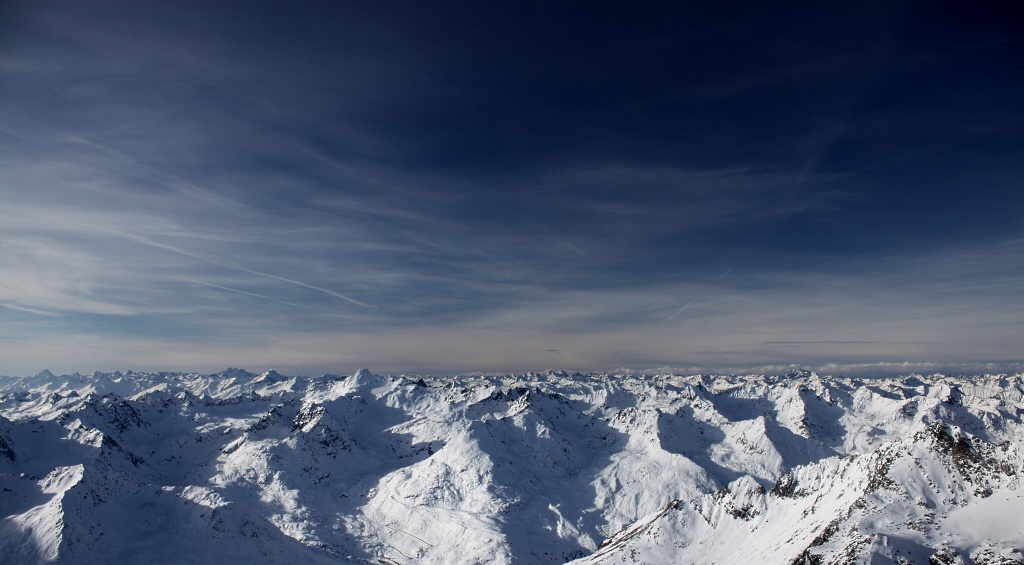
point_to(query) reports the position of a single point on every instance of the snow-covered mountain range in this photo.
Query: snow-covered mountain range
(237, 467)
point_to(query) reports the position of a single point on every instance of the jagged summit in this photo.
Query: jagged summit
(233, 373)
(271, 376)
(533, 468)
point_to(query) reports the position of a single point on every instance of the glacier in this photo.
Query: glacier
(551, 467)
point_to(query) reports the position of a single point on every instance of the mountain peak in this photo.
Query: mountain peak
(529, 468)
(272, 376)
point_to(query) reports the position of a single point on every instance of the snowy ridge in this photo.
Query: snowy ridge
(531, 468)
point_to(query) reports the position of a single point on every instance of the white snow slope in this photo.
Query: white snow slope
(534, 468)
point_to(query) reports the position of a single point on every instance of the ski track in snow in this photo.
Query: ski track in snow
(237, 467)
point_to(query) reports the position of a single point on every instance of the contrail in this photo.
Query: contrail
(309, 286)
(229, 289)
(185, 252)
(687, 305)
(680, 311)
(27, 309)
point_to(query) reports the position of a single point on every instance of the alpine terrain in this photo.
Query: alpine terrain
(532, 468)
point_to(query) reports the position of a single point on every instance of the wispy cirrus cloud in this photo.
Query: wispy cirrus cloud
(368, 186)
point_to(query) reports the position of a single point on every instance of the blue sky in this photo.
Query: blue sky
(454, 187)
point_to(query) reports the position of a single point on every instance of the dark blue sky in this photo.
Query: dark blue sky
(446, 187)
